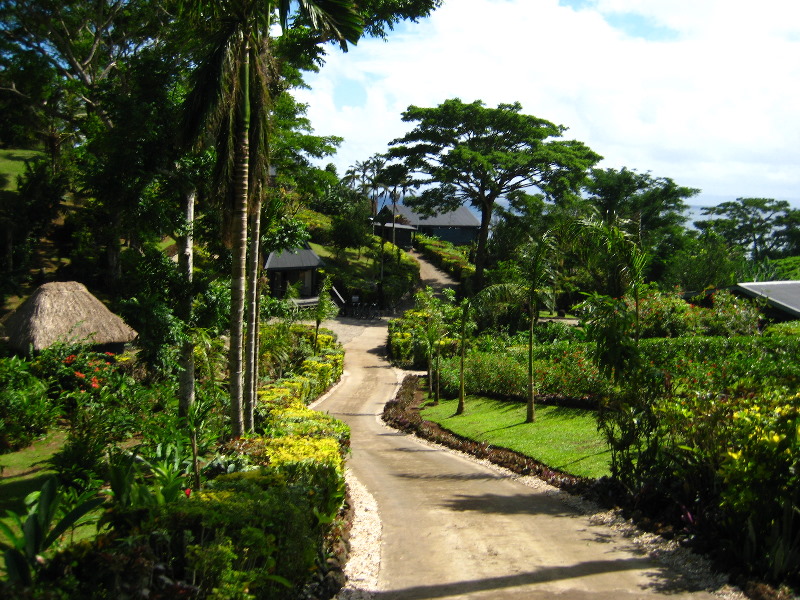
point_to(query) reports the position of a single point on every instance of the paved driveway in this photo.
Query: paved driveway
(453, 528)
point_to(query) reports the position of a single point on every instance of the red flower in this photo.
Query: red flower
(80, 375)
(95, 382)
(70, 359)
(188, 492)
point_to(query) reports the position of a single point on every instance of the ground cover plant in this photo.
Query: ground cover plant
(12, 165)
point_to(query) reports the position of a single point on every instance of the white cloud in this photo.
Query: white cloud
(712, 106)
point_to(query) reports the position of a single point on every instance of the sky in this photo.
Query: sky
(705, 92)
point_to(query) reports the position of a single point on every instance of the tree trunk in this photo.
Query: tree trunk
(463, 352)
(113, 251)
(186, 265)
(480, 251)
(251, 342)
(530, 416)
(239, 265)
(8, 259)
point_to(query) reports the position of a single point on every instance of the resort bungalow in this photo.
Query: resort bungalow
(781, 298)
(399, 233)
(65, 311)
(289, 267)
(459, 226)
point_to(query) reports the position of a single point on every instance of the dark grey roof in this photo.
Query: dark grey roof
(783, 295)
(296, 259)
(396, 226)
(460, 217)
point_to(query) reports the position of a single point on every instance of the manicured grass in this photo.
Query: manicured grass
(562, 438)
(12, 164)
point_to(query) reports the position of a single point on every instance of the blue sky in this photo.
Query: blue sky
(702, 91)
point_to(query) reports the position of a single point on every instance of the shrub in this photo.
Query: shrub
(560, 371)
(26, 411)
(729, 316)
(445, 255)
(710, 435)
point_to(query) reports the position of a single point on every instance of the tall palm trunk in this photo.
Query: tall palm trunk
(239, 266)
(186, 263)
(251, 342)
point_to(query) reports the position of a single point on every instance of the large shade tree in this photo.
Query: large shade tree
(651, 208)
(469, 154)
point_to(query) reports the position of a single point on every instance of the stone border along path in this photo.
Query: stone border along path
(431, 523)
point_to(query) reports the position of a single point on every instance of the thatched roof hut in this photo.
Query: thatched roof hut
(64, 311)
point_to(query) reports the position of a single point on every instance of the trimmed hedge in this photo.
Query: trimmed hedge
(449, 258)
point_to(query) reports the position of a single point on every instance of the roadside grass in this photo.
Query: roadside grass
(12, 164)
(563, 438)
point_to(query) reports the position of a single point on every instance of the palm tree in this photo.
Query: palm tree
(230, 96)
(533, 292)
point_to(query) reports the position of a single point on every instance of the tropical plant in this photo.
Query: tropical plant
(532, 290)
(40, 530)
(326, 308)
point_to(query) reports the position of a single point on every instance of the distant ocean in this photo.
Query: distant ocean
(692, 213)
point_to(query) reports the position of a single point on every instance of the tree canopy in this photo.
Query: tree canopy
(765, 227)
(469, 154)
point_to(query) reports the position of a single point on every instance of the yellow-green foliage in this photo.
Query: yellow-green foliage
(314, 376)
(278, 452)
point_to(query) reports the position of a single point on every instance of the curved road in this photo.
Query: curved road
(453, 528)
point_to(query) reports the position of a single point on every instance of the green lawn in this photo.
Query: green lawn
(562, 438)
(12, 163)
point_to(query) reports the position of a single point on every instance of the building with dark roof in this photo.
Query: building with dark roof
(458, 226)
(782, 297)
(289, 267)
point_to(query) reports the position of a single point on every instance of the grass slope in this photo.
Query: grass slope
(562, 438)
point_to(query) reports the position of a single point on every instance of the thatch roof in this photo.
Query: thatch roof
(64, 311)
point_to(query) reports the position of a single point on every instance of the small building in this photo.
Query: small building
(458, 226)
(289, 267)
(395, 231)
(65, 311)
(782, 298)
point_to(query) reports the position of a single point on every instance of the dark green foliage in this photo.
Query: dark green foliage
(704, 261)
(652, 208)
(764, 227)
(42, 527)
(448, 257)
(710, 436)
(468, 154)
(26, 411)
